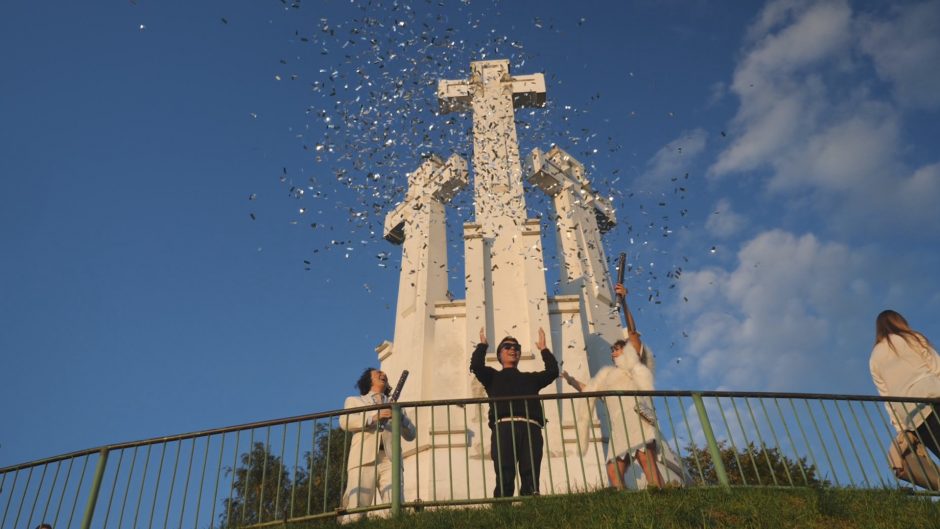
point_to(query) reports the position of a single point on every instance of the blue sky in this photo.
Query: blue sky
(192, 194)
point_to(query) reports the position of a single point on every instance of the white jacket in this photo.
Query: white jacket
(628, 430)
(908, 370)
(367, 431)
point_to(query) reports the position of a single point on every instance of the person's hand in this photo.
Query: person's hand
(384, 414)
(620, 290)
(482, 335)
(540, 344)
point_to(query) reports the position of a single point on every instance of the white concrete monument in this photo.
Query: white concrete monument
(505, 291)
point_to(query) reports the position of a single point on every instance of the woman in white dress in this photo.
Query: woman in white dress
(632, 420)
(905, 364)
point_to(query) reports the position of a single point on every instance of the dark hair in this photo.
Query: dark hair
(641, 352)
(891, 322)
(44, 525)
(364, 384)
(500, 346)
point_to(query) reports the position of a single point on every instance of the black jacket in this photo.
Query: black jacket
(510, 382)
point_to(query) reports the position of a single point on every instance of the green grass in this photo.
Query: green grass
(687, 508)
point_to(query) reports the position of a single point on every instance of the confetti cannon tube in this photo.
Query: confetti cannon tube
(622, 300)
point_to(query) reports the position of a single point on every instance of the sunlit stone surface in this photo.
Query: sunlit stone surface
(505, 291)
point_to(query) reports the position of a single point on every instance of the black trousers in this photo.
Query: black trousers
(516, 443)
(929, 432)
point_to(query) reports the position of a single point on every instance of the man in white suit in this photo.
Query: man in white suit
(369, 466)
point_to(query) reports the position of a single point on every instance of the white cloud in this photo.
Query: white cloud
(723, 222)
(673, 160)
(810, 36)
(773, 322)
(717, 91)
(773, 15)
(917, 193)
(850, 151)
(906, 52)
(807, 115)
(765, 123)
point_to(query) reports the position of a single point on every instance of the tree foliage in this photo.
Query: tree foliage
(751, 465)
(265, 489)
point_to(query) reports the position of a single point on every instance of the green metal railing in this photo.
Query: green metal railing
(268, 473)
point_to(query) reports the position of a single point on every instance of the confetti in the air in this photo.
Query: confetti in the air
(370, 116)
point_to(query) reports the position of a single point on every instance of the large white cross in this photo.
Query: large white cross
(418, 224)
(582, 215)
(492, 95)
(557, 170)
(434, 179)
(504, 280)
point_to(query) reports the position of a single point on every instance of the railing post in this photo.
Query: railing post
(95, 487)
(710, 440)
(396, 460)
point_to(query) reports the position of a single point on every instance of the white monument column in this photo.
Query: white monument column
(418, 223)
(581, 216)
(506, 292)
(505, 279)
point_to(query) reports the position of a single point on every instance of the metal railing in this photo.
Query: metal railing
(298, 468)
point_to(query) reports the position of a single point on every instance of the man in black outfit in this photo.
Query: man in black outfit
(516, 425)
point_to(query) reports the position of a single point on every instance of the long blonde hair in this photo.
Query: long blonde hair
(891, 322)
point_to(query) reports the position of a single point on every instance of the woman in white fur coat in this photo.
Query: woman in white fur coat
(632, 420)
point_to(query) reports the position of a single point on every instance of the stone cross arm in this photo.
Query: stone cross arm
(456, 95)
(453, 96)
(556, 171)
(528, 90)
(435, 179)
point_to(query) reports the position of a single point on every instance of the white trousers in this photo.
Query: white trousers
(362, 484)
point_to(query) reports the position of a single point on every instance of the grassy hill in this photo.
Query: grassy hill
(687, 508)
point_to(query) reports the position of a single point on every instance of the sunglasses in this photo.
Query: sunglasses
(509, 345)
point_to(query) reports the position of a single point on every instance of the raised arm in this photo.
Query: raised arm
(632, 334)
(634, 338)
(648, 359)
(550, 373)
(478, 362)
